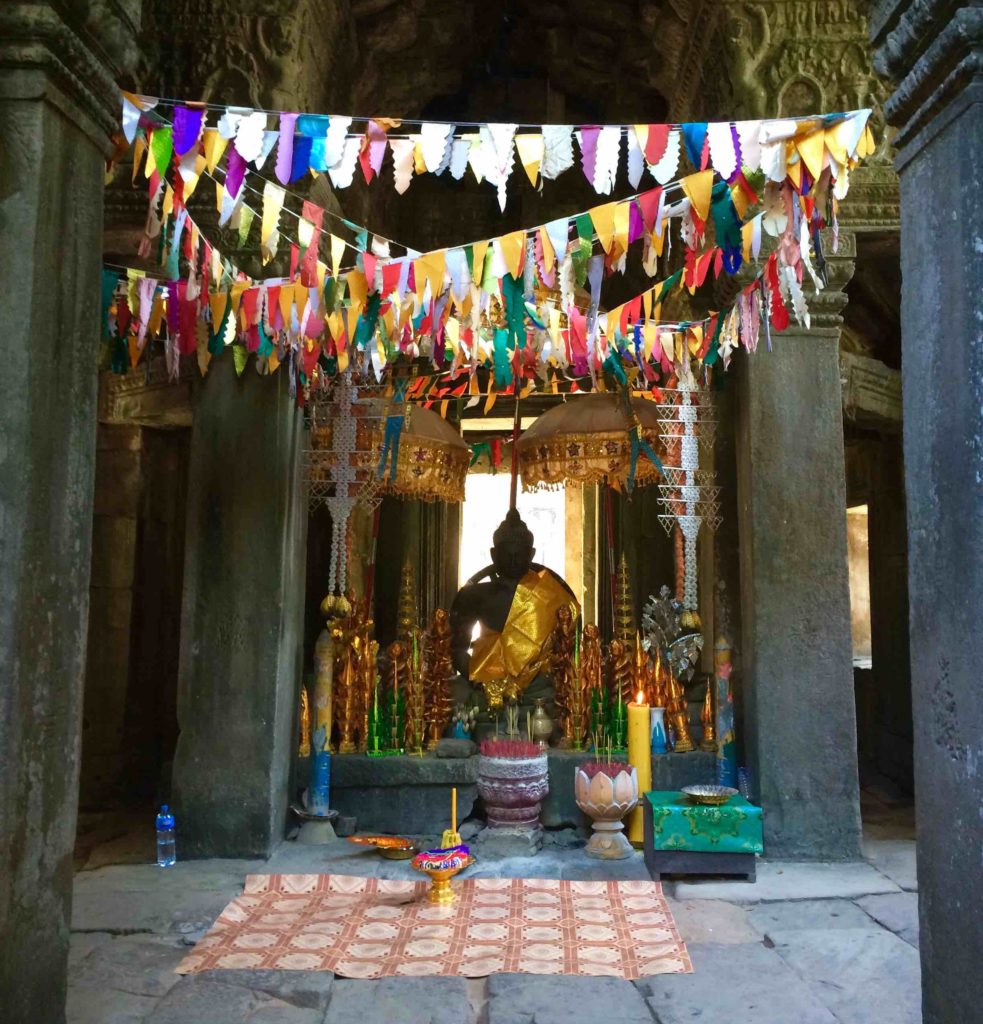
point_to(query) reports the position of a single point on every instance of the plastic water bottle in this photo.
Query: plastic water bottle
(166, 849)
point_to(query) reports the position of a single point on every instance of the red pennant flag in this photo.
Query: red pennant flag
(655, 144)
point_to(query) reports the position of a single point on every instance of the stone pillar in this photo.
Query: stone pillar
(891, 665)
(57, 111)
(800, 727)
(932, 50)
(242, 621)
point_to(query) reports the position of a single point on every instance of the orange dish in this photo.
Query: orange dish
(384, 842)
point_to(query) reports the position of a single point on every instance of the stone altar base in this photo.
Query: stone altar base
(403, 795)
(508, 842)
(412, 795)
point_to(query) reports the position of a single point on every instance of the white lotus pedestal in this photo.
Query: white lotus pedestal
(606, 801)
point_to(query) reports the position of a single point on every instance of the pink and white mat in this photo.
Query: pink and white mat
(374, 928)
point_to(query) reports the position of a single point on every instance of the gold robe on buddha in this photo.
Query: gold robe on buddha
(507, 662)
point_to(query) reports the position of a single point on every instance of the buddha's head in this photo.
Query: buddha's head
(513, 548)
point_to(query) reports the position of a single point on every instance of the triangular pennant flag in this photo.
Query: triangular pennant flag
(214, 144)
(513, 251)
(811, 148)
(602, 218)
(337, 251)
(697, 188)
(530, 149)
(478, 266)
(430, 267)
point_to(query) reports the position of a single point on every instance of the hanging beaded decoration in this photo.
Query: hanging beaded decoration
(688, 495)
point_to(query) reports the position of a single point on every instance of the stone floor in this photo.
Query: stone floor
(807, 943)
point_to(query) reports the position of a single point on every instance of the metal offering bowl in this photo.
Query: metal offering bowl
(710, 796)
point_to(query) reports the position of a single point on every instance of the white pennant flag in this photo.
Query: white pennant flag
(557, 150)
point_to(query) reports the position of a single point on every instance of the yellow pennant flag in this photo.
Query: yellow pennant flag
(478, 251)
(358, 289)
(603, 220)
(337, 251)
(621, 214)
(747, 237)
(666, 340)
(514, 251)
(697, 188)
(695, 339)
(218, 301)
(301, 294)
(430, 267)
(549, 253)
(811, 149)
(286, 302)
(273, 197)
(530, 150)
(138, 149)
(648, 336)
(238, 288)
(214, 146)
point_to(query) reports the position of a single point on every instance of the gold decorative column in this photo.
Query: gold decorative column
(624, 608)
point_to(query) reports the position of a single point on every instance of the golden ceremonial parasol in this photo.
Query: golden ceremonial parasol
(588, 440)
(429, 460)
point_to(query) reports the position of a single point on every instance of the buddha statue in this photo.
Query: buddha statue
(514, 602)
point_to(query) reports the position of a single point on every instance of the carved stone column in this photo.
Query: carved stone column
(934, 52)
(242, 619)
(795, 609)
(57, 110)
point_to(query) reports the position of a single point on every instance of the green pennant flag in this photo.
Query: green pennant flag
(162, 146)
(240, 355)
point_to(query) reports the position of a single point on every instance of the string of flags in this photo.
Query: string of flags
(339, 145)
(513, 305)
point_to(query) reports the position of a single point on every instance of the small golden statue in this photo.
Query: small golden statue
(561, 646)
(678, 714)
(352, 651)
(709, 741)
(643, 673)
(660, 696)
(621, 672)
(304, 749)
(414, 725)
(585, 682)
(437, 670)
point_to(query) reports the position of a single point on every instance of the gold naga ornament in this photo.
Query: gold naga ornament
(587, 440)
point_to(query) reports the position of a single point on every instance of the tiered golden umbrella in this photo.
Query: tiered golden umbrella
(588, 440)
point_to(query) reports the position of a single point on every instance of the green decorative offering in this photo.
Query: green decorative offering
(680, 824)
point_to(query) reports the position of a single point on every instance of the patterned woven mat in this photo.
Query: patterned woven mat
(373, 928)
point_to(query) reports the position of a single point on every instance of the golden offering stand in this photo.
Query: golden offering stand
(441, 891)
(440, 866)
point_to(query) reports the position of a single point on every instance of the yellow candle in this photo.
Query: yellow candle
(639, 755)
(454, 809)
